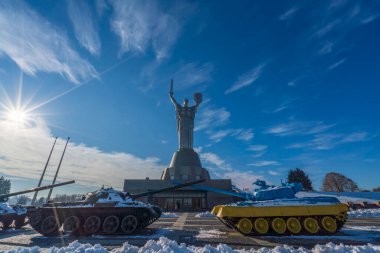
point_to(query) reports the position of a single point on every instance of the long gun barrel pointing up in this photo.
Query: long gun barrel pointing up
(2, 196)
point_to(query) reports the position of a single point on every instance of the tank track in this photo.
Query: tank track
(323, 225)
(12, 221)
(52, 221)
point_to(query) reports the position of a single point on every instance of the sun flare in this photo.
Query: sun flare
(17, 116)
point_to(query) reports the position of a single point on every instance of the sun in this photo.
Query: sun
(17, 116)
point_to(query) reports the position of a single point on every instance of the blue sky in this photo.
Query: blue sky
(286, 84)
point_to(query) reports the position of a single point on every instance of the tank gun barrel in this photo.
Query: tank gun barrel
(177, 186)
(242, 195)
(2, 196)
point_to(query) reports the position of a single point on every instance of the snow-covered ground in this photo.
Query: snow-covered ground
(361, 234)
(364, 213)
(214, 233)
(205, 214)
(365, 228)
(345, 196)
(169, 215)
(164, 245)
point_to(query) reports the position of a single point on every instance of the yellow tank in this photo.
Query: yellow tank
(283, 218)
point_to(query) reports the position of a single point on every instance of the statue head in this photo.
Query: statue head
(185, 102)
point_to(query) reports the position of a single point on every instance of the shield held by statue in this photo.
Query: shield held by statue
(198, 97)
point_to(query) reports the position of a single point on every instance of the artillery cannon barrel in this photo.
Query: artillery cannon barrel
(138, 195)
(35, 189)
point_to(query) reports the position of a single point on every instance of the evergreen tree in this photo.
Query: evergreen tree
(23, 200)
(40, 201)
(336, 182)
(5, 185)
(299, 176)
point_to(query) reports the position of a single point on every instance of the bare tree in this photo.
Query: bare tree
(336, 182)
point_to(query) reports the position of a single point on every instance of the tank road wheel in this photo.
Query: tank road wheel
(129, 224)
(92, 225)
(278, 225)
(294, 226)
(311, 225)
(49, 226)
(111, 224)
(19, 222)
(245, 226)
(261, 226)
(34, 218)
(329, 225)
(71, 224)
(6, 224)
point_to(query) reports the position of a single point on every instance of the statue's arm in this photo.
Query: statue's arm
(175, 103)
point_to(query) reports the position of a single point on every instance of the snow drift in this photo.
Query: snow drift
(164, 245)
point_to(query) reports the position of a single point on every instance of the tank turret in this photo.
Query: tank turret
(104, 211)
(14, 215)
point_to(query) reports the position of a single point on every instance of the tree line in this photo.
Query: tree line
(23, 199)
(5, 188)
(332, 182)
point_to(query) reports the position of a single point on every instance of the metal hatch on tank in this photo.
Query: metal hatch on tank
(105, 211)
(275, 210)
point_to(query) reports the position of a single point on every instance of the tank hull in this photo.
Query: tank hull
(51, 221)
(301, 219)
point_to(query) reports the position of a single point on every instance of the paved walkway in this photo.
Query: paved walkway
(199, 231)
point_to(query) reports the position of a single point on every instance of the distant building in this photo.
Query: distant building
(184, 166)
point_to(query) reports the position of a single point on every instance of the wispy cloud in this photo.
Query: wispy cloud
(101, 6)
(246, 79)
(326, 48)
(370, 18)
(192, 74)
(325, 29)
(36, 45)
(288, 14)
(24, 151)
(214, 160)
(239, 134)
(355, 137)
(299, 127)
(337, 64)
(141, 24)
(258, 148)
(217, 136)
(273, 173)
(244, 134)
(264, 163)
(328, 141)
(84, 25)
(241, 179)
(212, 117)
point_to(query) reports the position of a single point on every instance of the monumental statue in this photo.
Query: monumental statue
(185, 118)
(185, 164)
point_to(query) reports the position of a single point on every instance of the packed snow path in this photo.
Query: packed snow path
(199, 232)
